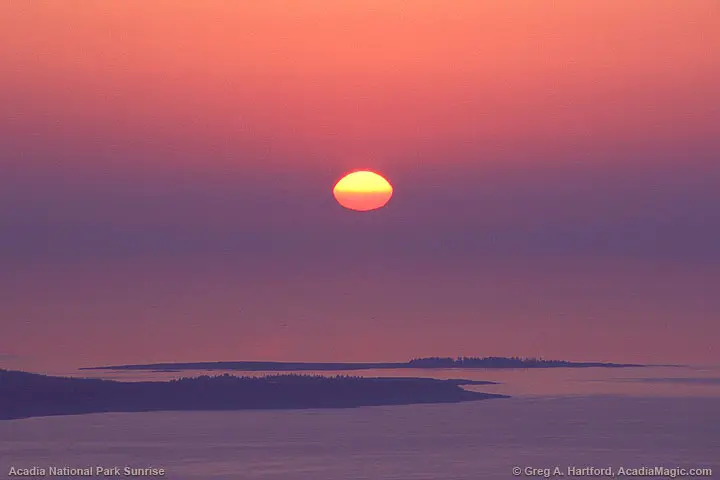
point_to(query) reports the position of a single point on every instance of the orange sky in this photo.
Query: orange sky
(339, 80)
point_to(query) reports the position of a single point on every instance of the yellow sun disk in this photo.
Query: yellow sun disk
(365, 182)
(363, 191)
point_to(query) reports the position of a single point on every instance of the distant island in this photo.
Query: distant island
(24, 395)
(422, 363)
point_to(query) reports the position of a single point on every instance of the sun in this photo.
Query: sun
(363, 191)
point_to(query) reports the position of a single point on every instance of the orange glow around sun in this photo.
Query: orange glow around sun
(363, 191)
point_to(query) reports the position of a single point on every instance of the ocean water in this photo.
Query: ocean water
(596, 418)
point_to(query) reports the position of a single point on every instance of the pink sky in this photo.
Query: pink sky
(166, 172)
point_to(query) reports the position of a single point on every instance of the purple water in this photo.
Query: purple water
(598, 418)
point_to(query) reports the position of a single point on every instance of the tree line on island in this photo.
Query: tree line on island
(24, 394)
(424, 362)
(502, 362)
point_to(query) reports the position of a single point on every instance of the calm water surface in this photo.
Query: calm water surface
(560, 417)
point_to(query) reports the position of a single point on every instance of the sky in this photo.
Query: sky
(166, 175)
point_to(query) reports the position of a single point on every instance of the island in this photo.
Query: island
(416, 363)
(24, 395)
